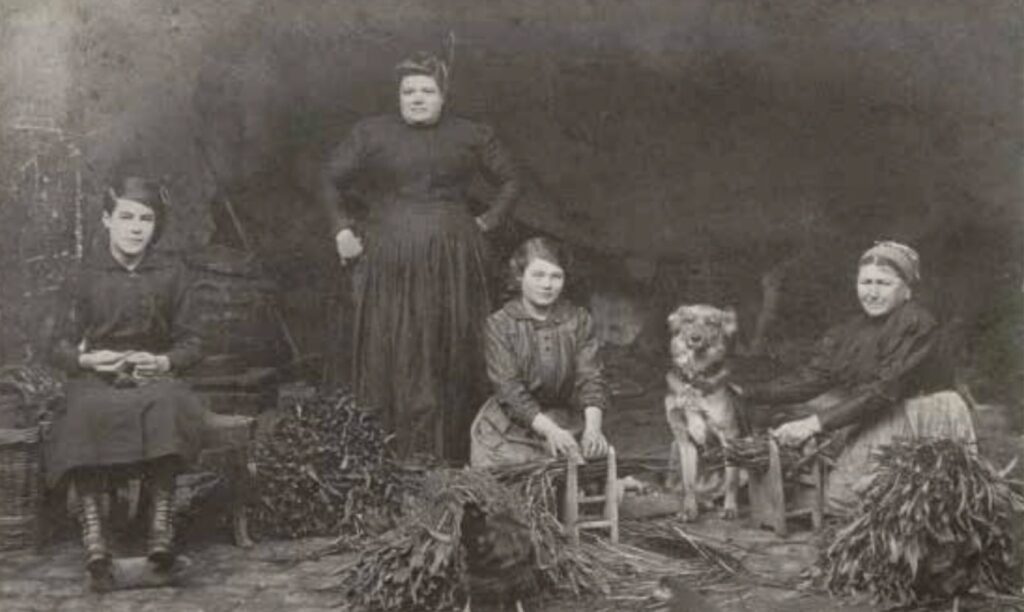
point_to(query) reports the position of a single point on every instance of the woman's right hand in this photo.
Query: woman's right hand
(560, 441)
(103, 360)
(348, 244)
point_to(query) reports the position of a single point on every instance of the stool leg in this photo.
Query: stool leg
(241, 491)
(776, 494)
(611, 497)
(571, 506)
(818, 480)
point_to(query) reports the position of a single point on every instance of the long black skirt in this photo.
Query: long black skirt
(421, 299)
(106, 426)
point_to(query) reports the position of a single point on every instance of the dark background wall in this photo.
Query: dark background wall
(732, 134)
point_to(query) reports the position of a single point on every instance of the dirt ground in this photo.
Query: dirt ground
(272, 576)
(637, 428)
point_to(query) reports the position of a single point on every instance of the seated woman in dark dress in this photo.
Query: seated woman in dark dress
(884, 362)
(122, 339)
(542, 361)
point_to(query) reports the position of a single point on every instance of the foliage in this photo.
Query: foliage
(325, 469)
(936, 523)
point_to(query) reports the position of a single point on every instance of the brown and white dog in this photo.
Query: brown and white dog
(698, 402)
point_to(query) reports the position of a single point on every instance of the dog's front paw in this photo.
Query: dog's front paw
(728, 513)
(689, 511)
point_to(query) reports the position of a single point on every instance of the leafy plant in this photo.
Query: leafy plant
(936, 522)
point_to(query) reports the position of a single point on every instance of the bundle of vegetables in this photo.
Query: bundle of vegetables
(432, 560)
(936, 522)
(325, 469)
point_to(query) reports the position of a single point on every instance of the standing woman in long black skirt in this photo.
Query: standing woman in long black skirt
(420, 276)
(123, 337)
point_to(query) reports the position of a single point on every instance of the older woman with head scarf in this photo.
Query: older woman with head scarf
(420, 278)
(885, 364)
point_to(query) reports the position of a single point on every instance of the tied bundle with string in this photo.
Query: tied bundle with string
(325, 469)
(936, 523)
(752, 453)
(493, 536)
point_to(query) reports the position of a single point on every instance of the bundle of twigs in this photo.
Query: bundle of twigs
(37, 387)
(325, 469)
(936, 522)
(751, 453)
(593, 470)
(420, 565)
(672, 539)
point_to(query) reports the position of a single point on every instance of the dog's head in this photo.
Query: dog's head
(701, 336)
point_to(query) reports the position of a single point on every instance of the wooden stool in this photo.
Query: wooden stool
(573, 520)
(768, 504)
(226, 447)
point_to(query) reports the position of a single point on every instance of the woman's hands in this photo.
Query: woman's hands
(103, 361)
(349, 245)
(594, 443)
(795, 433)
(141, 363)
(148, 364)
(560, 441)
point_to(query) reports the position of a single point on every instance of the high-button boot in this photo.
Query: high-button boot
(97, 555)
(161, 531)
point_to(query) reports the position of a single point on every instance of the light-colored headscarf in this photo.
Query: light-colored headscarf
(901, 258)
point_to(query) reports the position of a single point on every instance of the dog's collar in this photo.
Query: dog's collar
(706, 381)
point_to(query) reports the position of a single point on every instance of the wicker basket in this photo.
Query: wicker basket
(19, 488)
(24, 391)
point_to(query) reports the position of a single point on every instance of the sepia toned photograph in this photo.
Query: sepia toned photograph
(511, 306)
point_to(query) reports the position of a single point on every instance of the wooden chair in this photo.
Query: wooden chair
(767, 490)
(573, 502)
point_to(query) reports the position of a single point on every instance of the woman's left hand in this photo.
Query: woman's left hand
(594, 443)
(794, 433)
(148, 364)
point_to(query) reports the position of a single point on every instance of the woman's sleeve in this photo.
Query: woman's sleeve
(506, 376)
(70, 327)
(500, 169)
(911, 345)
(809, 381)
(342, 166)
(590, 386)
(186, 345)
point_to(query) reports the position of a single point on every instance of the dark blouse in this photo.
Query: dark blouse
(401, 165)
(536, 365)
(111, 307)
(876, 361)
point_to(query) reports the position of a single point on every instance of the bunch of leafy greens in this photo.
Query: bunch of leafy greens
(936, 522)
